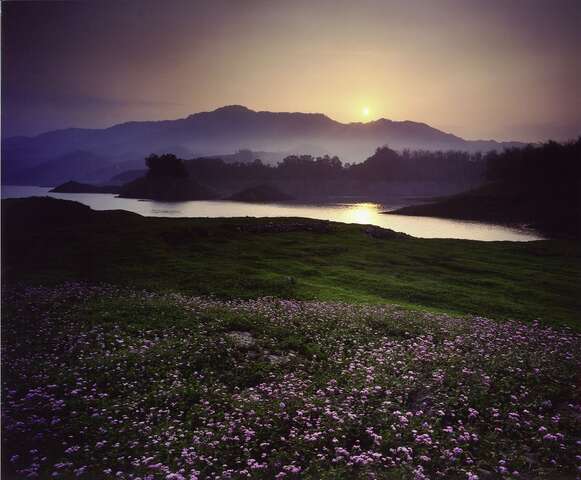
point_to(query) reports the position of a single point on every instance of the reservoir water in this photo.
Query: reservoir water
(347, 212)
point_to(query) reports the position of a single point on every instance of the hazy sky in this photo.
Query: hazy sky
(504, 69)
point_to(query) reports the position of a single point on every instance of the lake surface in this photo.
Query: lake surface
(363, 213)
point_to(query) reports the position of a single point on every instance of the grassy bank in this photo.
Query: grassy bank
(556, 214)
(50, 241)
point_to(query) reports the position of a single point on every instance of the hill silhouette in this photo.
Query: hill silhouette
(169, 189)
(304, 177)
(76, 187)
(536, 186)
(261, 193)
(224, 130)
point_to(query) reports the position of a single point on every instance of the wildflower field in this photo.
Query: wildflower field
(138, 348)
(102, 382)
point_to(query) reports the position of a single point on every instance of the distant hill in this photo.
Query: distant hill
(167, 189)
(79, 165)
(261, 193)
(98, 154)
(127, 176)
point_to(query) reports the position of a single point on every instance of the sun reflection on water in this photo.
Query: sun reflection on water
(361, 213)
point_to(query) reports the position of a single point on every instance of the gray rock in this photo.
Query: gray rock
(279, 359)
(242, 339)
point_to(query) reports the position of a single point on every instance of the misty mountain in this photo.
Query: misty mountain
(127, 176)
(80, 165)
(99, 154)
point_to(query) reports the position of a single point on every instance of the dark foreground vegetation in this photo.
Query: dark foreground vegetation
(539, 186)
(183, 349)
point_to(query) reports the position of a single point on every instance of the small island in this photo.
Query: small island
(78, 187)
(166, 180)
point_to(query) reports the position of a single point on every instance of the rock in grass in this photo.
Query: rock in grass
(242, 339)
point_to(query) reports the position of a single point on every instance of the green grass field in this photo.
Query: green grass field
(145, 348)
(48, 241)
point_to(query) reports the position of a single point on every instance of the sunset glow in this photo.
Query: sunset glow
(144, 61)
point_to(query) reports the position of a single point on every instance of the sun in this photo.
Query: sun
(365, 111)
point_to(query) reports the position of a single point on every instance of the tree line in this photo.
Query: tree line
(548, 163)
(384, 165)
(552, 165)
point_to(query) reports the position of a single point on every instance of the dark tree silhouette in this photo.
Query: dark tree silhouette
(551, 164)
(419, 165)
(167, 165)
(384, 165)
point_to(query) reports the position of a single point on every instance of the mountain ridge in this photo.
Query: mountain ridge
(221, 131)
(229, 108)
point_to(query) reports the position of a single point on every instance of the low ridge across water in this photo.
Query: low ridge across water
(347, 212)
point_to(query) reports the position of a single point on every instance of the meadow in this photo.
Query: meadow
(139, 348)
(48, 241)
